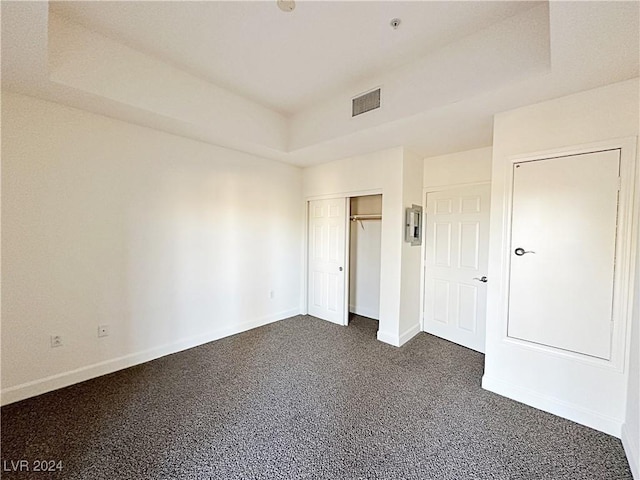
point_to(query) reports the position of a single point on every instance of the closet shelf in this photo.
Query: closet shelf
(355, 218)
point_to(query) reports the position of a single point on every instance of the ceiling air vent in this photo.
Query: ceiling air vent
(365, 102)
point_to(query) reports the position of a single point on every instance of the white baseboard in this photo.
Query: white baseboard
(398, 340)
(409, 334)
(389, 338)
(558, 407)
(364, 312)
(632, 449)
(64, 379)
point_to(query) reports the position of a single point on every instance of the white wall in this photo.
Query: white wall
(366, 205)
(451, 171)
(501, 54)
(631, 427)
(169, 241)
(410, 306)
(169, 97)
(579, 390)
(397, 174)
(471, 166)
(378, 172)
(364, 257)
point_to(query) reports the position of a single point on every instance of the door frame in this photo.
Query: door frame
(346, 196)
(626, 248)
(423, 248)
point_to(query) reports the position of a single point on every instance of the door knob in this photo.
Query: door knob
(481, 279)
(340, 268)
(521, 251)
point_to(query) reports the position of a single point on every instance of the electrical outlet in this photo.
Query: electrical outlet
(103, 330)
(272, 294)
(56, 341)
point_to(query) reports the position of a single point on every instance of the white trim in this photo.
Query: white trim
(440, 188)
(633, 229)
(632, 449)
(389, 338)
(560, 353)
(304, 303)
(626, 246)
(399, 340)
(364, 312)
(423, 257)
(64, 379)
(347, 261)
(576, 413)
(423, 254)
(611, 144)
(353, 193)
(409, 334)
(304, 294)
(423, 248)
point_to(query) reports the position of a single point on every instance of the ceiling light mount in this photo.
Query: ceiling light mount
(395, 23)
(286, 5)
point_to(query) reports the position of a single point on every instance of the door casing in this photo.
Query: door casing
(626, 248)
(304, 306)
(474, 341)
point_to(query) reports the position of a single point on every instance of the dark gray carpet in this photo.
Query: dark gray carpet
(303, 398)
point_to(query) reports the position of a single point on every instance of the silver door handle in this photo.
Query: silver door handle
(340, 268)
(481, 279)
(521, 251)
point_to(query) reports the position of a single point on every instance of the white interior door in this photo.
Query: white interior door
(456, 256)
(564, 223)
(327, 255)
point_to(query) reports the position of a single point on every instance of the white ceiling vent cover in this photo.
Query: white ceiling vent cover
(365, 102)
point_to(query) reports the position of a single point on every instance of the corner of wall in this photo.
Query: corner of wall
(632, 450)
(71, 377)
(122, 234)
(388, 338)
(604, 115)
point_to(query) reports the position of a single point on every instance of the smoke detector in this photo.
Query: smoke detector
(286, 5)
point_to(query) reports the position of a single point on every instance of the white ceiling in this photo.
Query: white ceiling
(287, 61)
(247, 76)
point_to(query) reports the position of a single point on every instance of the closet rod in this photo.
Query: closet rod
(365, 217)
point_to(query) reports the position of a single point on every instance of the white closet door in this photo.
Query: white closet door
(563, 248)
(456, 257)
(327, 253)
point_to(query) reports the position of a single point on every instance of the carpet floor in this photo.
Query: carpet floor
(302, 399)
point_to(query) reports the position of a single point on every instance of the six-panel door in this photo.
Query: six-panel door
(326, 292)
(456, 256)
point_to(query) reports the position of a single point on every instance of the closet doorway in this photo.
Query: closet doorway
(343, 262)
(364, 255)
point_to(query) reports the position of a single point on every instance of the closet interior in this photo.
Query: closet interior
(364, 255)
